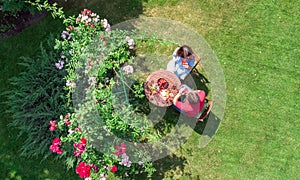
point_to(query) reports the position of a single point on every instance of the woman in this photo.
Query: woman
(193, 102)
(183, 61)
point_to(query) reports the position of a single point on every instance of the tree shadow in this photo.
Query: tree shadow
(115, 11)
(171, 162)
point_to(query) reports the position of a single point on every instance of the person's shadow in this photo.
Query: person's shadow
(209, 126)
(197, 81)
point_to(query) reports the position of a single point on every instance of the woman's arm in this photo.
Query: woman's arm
(175, 100)
(188, 66)
(175, 52)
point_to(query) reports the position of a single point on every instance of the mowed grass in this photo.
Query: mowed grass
(257, 44)
(258, 48)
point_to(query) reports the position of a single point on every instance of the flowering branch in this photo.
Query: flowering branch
(55, 11)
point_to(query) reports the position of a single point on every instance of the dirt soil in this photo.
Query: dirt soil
(18, 23)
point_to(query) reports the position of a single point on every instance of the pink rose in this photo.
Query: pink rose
(52, 124)
(120, 149)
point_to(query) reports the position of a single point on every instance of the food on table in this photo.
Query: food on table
(164, 93)
(162, 83)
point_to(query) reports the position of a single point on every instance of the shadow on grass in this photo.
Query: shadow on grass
(171, 163)
(209, 126)
(197, 81)
(115, 11)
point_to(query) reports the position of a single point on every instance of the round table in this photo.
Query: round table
(156, 96)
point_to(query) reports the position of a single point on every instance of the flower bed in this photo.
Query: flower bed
(99, 135)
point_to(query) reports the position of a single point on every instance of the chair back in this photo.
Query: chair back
(207, 110)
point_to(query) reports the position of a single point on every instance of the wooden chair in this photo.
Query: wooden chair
(195, 65)
(206, 110)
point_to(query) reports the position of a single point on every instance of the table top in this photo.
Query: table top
(161, 87)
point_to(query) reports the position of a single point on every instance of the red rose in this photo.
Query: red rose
(56, 142)
(55, 146)
(83, 170)
(59, 151)
(114, 168)
(83, 141)
(81, 147)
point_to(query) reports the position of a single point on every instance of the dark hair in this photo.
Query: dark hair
(193, 97)
(184, 51)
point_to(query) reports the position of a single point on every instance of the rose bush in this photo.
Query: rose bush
(98, 135)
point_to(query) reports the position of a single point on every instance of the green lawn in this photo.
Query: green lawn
(257, 44)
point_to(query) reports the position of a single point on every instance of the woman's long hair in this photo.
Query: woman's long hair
(184, 51)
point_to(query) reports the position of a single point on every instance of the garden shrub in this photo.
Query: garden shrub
(13, 7)
(36, 96)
